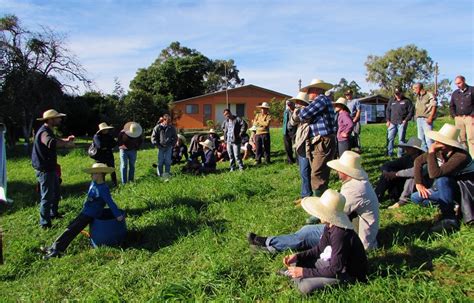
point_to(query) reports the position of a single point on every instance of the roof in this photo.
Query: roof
(235, 89)
(373, 97)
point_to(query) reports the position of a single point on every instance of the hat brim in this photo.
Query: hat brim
(108, 127)
(313, 206)
(60, 115)
(322, 85)
(355, 173)
(299, 101)
(261, 106)
(98, 170)
(412, 146)
(205, 145)
(436, 136)
(341, 105)
(136, 134)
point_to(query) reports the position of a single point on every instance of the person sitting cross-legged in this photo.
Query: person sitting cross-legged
(339, 257)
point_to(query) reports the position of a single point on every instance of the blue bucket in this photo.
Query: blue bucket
(106, 230)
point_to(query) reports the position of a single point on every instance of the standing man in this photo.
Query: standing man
(262, 138)
(462, 110)
(354, 108)
(44, 161)
(234, 128)
(322, 122)
(425, 113)
(288, 131)
(164, 137)
(399, 111)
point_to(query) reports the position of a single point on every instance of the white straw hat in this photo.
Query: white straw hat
(51, 114)
(212, 131)
(448, 134)
(317, 83)
(301, 98)
(264, 105)
(328, 208)
(133, 129)
(342, 102)
(208, 143)
(103, 126)
(349, 163)
(182, 138)
(413, 142)
(99, 168)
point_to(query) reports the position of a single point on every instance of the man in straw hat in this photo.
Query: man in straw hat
(461, 109)
(322, 119)
(355, 111)
(234, 129)
(338, 258)
(105, 142)
(262, 138)
(44, 161)
(129, 141)
(164, 136)
(446, 158)
(97, 197)
(288, 131)
(398, 112)
(209, 164)
(398, 175)
(344, 125)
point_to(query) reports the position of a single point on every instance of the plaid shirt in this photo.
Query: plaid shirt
(320, 115)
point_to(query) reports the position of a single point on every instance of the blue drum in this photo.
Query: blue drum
(106, 230)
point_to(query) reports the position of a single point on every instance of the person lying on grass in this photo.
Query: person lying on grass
(338, 258)
(97, 196)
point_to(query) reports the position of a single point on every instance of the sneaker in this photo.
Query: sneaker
(445, 225)
(231, 169)
(257, 241)
(397, 205)
(52, 253)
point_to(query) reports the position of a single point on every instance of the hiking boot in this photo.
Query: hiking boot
(446, 224)
(257, 241)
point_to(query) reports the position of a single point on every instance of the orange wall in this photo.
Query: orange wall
(248, 95)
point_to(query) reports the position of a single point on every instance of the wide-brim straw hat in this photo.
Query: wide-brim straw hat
(212, 131)
(448, 134)
(342, 102)
(413, 142)
(51, 114)
(133, 129)
(350, 164)
(182, 138)
(317, 83)
(99, 168)
(104, 126)
(264, 105)
(329, 208)
(208, 143)
(301, 99)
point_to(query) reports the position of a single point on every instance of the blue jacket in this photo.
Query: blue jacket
(97, 196)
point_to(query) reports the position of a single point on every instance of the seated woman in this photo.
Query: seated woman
(445, 160)
(339, 256)
(97, 197)
(221, 151)
(180, 150)
(208, 160)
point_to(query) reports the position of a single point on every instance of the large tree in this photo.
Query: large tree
(343, 85)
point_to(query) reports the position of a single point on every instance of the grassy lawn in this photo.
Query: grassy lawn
(187, 239)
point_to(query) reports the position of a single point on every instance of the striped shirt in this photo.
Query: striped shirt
(321, 116)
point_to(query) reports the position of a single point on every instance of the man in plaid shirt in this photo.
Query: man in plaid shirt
(322, 119)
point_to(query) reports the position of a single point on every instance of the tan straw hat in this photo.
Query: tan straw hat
(301, 99)
(182, 138)
(349, 164)
(208, 143)
(212, 131)
(264, 105)
(103, 126)
(99, 168)
(448, 134)
(413, 142)
(133, 129)
(328, 208)
(51, 114)
(342, 102)
(317, 83)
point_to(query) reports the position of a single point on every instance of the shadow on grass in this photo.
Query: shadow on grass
(198, 205)
(403, 233)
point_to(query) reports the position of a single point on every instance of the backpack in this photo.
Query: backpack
(92, 151)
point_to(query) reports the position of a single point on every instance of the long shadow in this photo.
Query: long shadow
(402, 234)
(198, 205)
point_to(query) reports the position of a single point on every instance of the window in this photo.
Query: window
(192, 109)
(240, 110)
(207, 110)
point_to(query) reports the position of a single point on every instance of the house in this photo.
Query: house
(195, 112)
(373, 109)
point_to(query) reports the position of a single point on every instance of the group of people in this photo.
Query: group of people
(317, 130)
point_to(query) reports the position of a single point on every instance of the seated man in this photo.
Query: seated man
(361, 201)
(397, 175)
(446, 158)
(208, 164)
(180, 150)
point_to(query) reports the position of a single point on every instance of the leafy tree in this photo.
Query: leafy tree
(277, 107)
(400, 67)
(145, 108)
(222, 74)
(343, 85)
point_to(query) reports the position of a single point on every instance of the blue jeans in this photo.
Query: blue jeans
(392, 131)
(49, 190)
(127, 164)
(305, 238)
(423, 127)
(234, 155)
(442, 193)
(305, 174)
(164, 158)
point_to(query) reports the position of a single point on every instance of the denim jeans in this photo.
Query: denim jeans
(127, 164)
(423, 127)
(392, 131)
(305, 174)
(50, 195)
(442, 193)
(73, 229)
(164, 158)
(305, 238)
(234, 155)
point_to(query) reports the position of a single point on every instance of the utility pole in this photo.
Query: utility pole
(226, 86)
(299, 84)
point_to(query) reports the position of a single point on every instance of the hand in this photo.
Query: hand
(388, 123)
(404, 122)
(435, 147)
(296, 272)
(429, 121)
(287, 260)
(120, 218)
(424, 192)
(389, 175)
(71, 138)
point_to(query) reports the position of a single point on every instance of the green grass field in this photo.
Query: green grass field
(187, 239)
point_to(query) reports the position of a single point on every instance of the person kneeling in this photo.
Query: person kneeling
(97, 196)
(338, 258)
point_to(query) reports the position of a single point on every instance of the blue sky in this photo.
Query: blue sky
(274, 43)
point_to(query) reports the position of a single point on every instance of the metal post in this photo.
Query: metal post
(226, 86)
